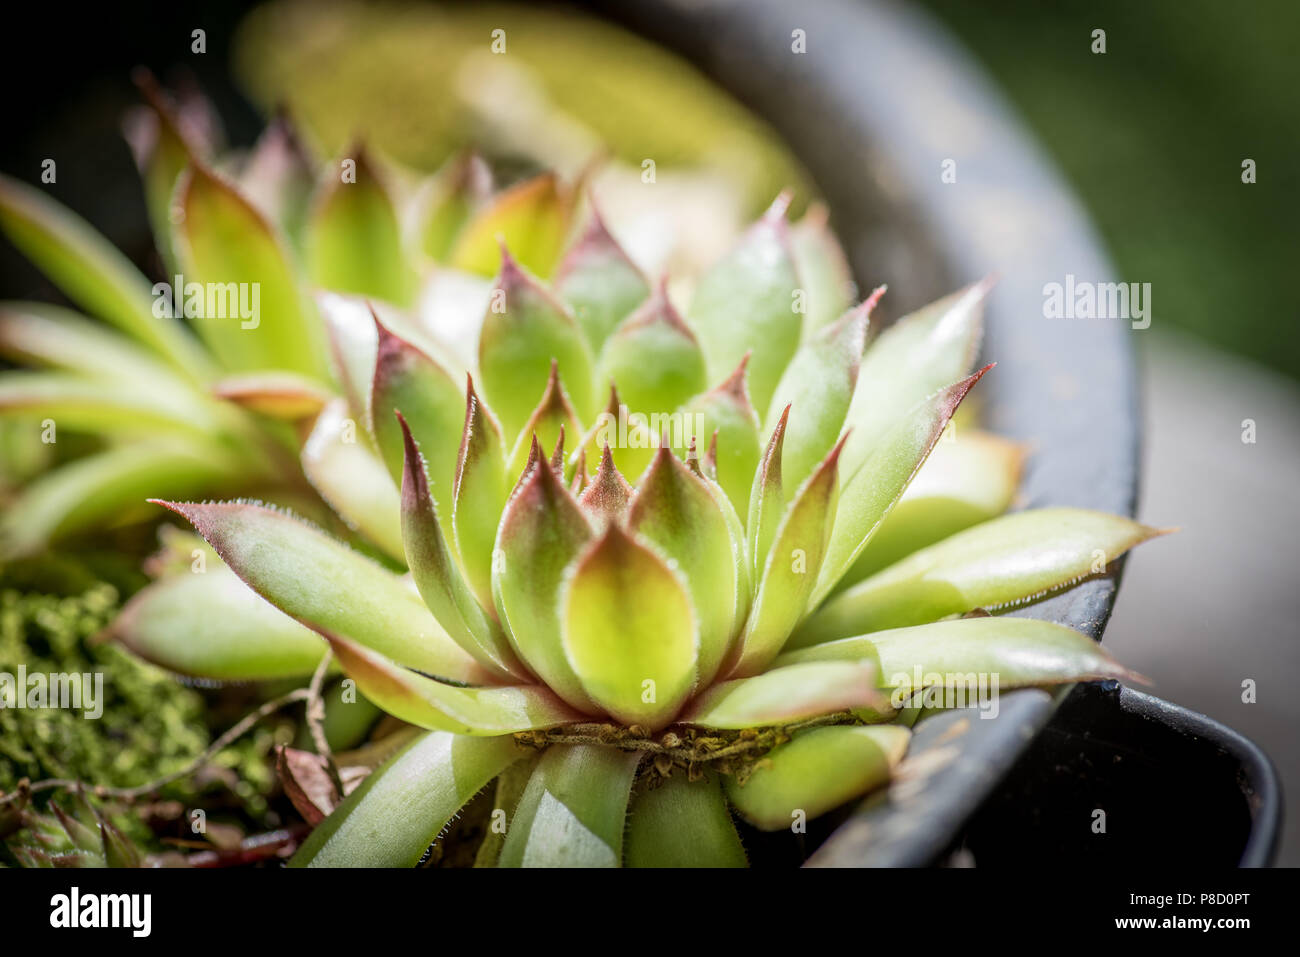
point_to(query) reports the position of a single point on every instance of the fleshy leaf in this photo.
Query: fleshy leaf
(791, 568)
(767, 499)
(553, 417)
(398, 811)
(629, 438)
(280, 395)
(224, 241)
(212, 625)
(573, 811)
(630, 631)
(533, 219)
(542, 531)
(408, 381)
(93, 273)
(783, 695)
(354, 238)
(479, 494)
(599, 283)
(1001, 562)
(747, 302)
(655, 359)
(916, 356)
(1006, 652)
(969, 478)
(872, 492)
(524, 331)
(329, 587)
(682, 823)
(78, 403)
(818, 385)
(726, 410)
(439, 580)
(675, 512)
(823, 270)
(352, 480)
(354, 341)
(606, 497)
(462, 186)
(820, 769)
(437, 706)
(278, 176)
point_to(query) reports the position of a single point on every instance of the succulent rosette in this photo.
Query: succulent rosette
(663, 565)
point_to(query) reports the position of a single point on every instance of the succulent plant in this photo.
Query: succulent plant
(79, 838)
(186, 396)
(663, 566)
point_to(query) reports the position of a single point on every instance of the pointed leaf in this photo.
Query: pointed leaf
(820, 769)
(553, 417)
(767, 499)
(398, 811)
(354, 238)
(280, 395)
(461, 187)
(573, 811)
(329, 587)
(682, 823)
(354, 342)
(747, 302)
(103, 405)
(223, 240)
(436, 576)
(783, 695)
(630, 631)
(823, 270)
(352, 480)
(1003, 652)
(791, 568)
(727, 411)
(872, 492)
(436, 706)
(675, 512)
(212, 625)
(278, 177)
(524, 331)
(93, 274)
(917, 355)
(1001, 562)
(607, 496)
(542, 531)
(655, 359)
(599, 283)
(533, 219)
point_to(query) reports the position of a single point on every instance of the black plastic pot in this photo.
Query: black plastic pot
(877, 104)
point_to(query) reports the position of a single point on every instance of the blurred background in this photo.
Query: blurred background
(1152, 136)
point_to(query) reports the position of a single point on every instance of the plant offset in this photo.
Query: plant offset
(673, 554)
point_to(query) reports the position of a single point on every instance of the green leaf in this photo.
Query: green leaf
(524, 331)
(111, 486)
(1006, 652)
(278, 177)
(916, 356)
(823, 270)
(211, 625)
(747, 303)
(820, 769)
(630, 631)
(574, 809)
(532, 218)
(786, 694)
(600, 283)
(767, 499)
(1002, 562)
(817, 387)
(354, 238)
(607, 496)
(329, 587)
(682, 823)
(398, 811)
(655, 359)
(354, 343)
(969, 478)
(437, 706)
(280, 395)
(223, 239)
(791, 568)
(103, 405)
(870, 494)
(439, 580)
(726, 410)
(675, 512)
(479, 494)
(93, 274)
(542, 531)
(553, 419)
(448, 201)
(408, 381)
(352, 480)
